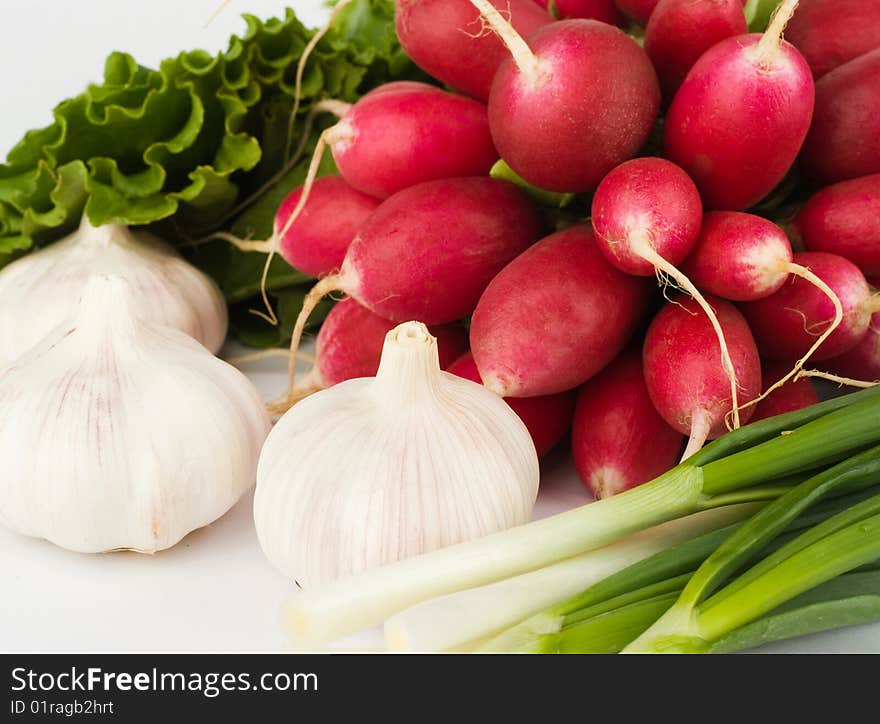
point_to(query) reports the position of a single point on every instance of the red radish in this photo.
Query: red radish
(647, 216)
(844, 140)
(739, 119)
(448, 39)
(862, 362)
(638, 10)
(317, 241)
(603, 10)
(792, 395)
(680, 31)
(685, 379)
(618, 439)
(554, 317)
(742, 257)
(547, 417)
(787, 323)
(349, 345)
(428, 252)
(400, 135)
(832, 32)
(844, 219)
(559, 117)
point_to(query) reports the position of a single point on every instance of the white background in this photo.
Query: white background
(214, 591)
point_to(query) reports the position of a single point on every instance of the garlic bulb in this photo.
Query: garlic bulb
(377, 469)
(36, 290)
(118, 433)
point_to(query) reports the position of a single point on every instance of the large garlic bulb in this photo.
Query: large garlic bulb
(377, 469)
(118, 433)
(36, 290)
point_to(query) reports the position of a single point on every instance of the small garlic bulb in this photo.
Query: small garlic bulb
(36, 290)
(377, 469)
(121, 434)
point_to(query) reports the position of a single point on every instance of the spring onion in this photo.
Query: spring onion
(752, 456)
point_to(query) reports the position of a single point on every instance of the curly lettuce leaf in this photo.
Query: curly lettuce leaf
(179, 147)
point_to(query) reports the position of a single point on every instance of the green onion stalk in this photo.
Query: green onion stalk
(707, 610)
(753, 463)
(608, 615)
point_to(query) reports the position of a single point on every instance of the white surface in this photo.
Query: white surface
(215, 591)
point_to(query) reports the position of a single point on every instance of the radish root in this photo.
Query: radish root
(643, 248)
(806, 274)
(848, 381)
(522, 54)
(301, 67)
(243, 359)
(332, 283)
(700, 428)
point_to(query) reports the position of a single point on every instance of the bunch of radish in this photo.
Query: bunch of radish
(668, 304)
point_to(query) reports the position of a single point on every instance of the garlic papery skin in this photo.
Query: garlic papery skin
(377, 469)
(117, 433)
(37, 290)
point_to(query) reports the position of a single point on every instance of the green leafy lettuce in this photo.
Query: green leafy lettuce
(180, 147)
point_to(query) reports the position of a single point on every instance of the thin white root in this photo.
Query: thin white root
(643, 248)
(316, 294)
(220, 8)
(269, 314)
(307, 185)
(768, 46)
(848, 381)
(300, 71)
(700, 429)
(244, 359)
(247, 245)
(522, 54)
(806, 274)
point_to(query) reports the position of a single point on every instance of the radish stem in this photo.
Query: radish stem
(768, 46)
(522, 54)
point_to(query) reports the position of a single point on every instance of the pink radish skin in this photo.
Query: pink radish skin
(349, 345)
(618, 439)
(844, 141)
(646, 200)
(862, 362)
(317, 241)
(680, 31)
(830, 33)
(392, 140)
(787, 323)
(793, 395)
(739, 118)
(647, 216)
(554, 317)
(447, 39)
(638, 10)
(844, 219)
(683, 371)
(548, 417)
(739, 257)
(559, 118)
(602, 10)
(428, 252)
